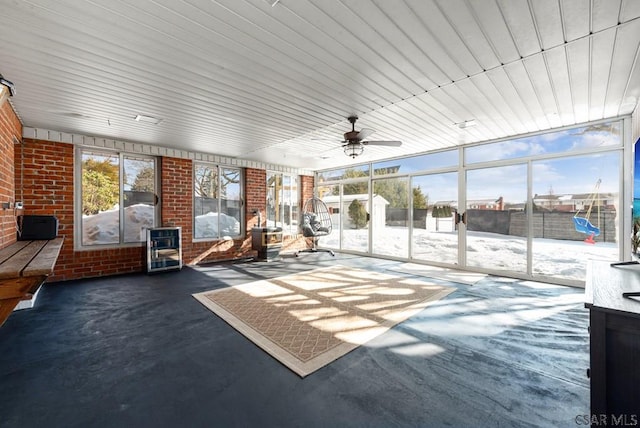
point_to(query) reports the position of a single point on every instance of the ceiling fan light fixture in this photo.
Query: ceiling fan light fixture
(353, 149)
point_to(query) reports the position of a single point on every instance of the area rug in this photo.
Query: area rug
(309, 319)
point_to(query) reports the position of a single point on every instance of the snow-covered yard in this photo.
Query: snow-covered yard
(551, 257)
(102, 228)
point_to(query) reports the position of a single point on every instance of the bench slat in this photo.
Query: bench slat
(13, 267)
(44, 262)
(8, 252)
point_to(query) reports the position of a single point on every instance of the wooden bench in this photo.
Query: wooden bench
(24, 266)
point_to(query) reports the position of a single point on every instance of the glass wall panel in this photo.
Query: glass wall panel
(139, 197)
(575, 214)
(586, 137)
(282, 201)
(495, 213)
(206, 199)
(274, 199)
(417, 163)
(230, 202)
(389, 211)
(435, 203)
(217, 204)
(355, 213)
(344, 173)
(291, 201)
(330, 195)
(100, 198)
(539, 206)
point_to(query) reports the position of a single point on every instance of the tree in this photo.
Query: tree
(206, 183)
(420, 200)
(394, 190)
(99, 192)
(358, 214)
(144, 181)
(358, 188)
(229, 176)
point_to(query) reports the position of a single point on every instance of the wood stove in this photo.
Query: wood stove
(267, 241)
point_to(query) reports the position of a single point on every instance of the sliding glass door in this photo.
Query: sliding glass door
(434, 236)
(355, 214)
(496, 218)
(575, 214)
(390, 217)
(539, 207)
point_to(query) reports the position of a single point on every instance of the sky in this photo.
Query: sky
(568, 175)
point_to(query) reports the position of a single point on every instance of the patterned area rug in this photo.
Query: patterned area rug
(310, 319)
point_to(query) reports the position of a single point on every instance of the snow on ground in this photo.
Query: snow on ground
(102, 228)
(551, 257)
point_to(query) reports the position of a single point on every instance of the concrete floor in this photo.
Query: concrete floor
(138, 351)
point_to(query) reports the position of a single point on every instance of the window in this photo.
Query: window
(344, 173)
(282, 201)
(118, 198)
(594, 136)
(417, 163)
(217, 206)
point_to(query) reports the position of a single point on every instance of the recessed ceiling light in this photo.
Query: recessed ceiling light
(147, 119)
(467, 124)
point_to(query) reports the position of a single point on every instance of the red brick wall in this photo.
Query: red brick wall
(255, 196)
(10, 129)
(306, 184)
(177, 210)
(48, 190)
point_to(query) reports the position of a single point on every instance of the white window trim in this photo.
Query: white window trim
(77, 198)
(242, 231)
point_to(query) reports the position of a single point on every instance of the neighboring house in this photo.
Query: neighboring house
(474, 204)
(575, 202)
(378, 215)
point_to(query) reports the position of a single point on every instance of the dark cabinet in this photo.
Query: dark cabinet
(614, 333)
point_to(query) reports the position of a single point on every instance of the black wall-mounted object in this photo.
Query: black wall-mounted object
(35, 227)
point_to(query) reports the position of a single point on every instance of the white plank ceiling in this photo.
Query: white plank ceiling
(274, 81)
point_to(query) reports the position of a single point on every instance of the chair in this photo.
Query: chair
(316, 222)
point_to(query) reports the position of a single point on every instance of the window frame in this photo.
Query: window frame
(241, 219)
(291, 228)
(78, 191)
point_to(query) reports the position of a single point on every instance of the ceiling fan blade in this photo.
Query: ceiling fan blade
(383, 143)
(364, 133)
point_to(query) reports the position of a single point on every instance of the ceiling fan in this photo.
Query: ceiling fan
(354, 141)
